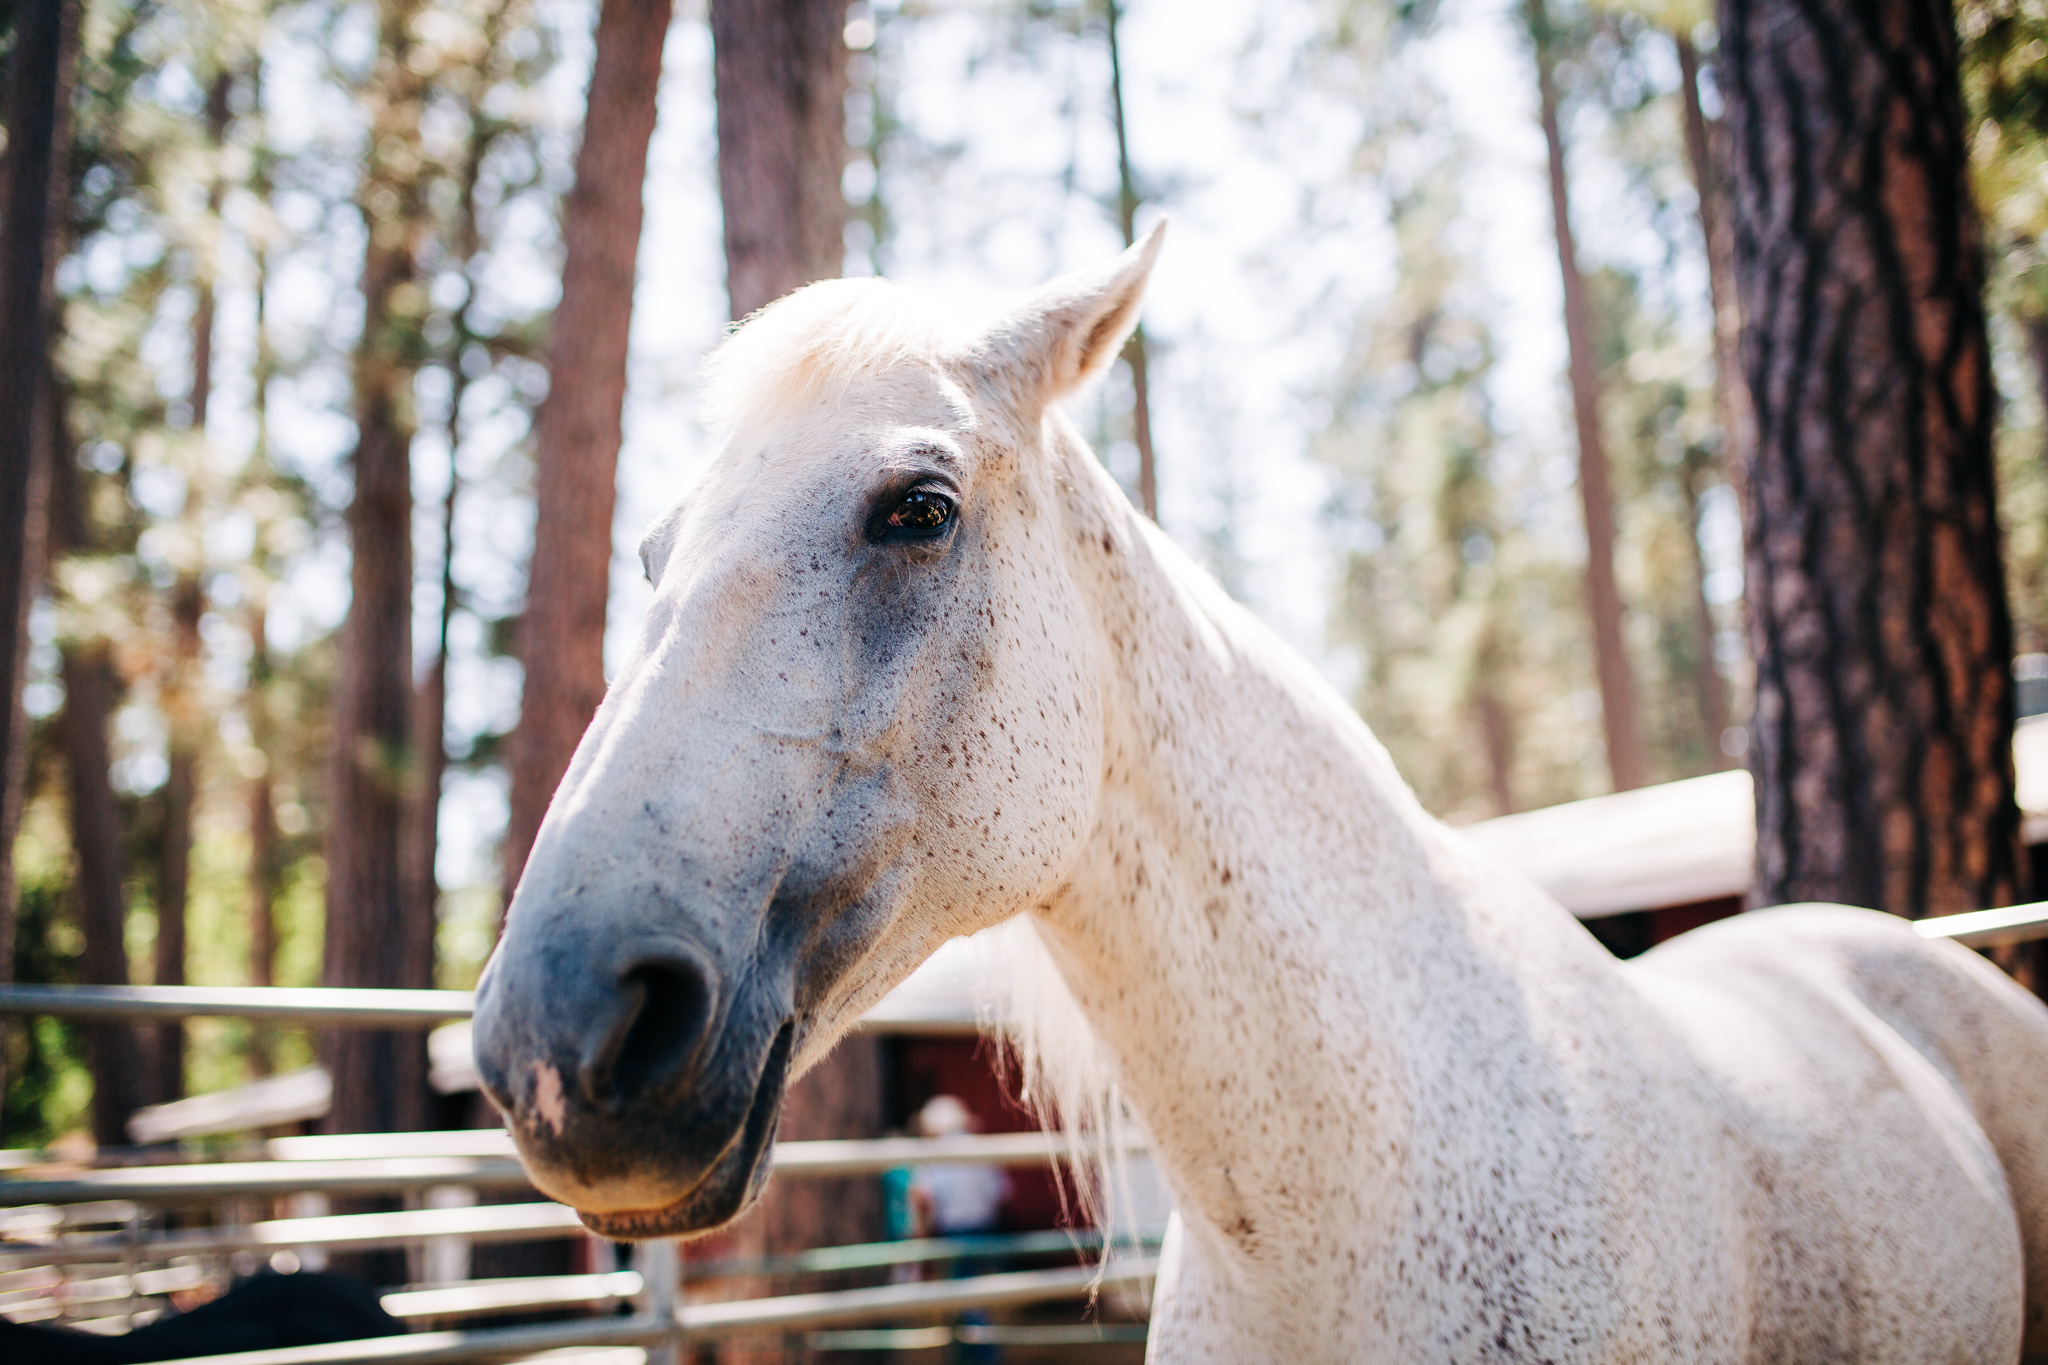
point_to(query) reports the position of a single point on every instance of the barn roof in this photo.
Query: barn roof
(1677, 843)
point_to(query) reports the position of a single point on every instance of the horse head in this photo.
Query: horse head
(863, 716)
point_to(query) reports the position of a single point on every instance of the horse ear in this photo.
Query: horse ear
(1070, 331)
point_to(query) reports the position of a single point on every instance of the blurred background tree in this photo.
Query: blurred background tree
(315, 285)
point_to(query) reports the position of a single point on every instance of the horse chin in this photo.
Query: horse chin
(728, 1188)
(723, 1195)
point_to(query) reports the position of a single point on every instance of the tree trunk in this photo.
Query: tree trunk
(1135, 351)
(91, 685)
(181, 694)
(1882, 745)
(266, 872)
(91, 689)
(561, 636)
(38, 99)
(379, 1077)
(1497, 741)
(1626, 764)
(431, 711)
(180, 796)
(1731, 399)
(781, 75)
(1710, 690)
(2037, 349)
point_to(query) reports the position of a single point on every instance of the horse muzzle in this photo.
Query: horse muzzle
(639, 1090)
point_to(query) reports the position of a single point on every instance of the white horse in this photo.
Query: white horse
(914, 666)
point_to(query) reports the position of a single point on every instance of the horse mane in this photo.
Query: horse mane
(816, 341)
(1067, 1080)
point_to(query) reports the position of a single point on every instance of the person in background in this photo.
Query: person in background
(954, 1200)
(958, 1201)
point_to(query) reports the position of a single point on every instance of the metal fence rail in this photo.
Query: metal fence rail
(316, 1007)
(352, 1007)
(476, 1223)
(1989, 928)
(712, 1321)
(208, 1182)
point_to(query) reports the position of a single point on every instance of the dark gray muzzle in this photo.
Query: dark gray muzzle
(641, 1086)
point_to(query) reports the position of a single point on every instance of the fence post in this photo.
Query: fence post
(661, 1282)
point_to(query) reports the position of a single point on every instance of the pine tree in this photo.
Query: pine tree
(1882, 743)
(38, 100)
(373, 933)
(577, 452)
(1625, 759)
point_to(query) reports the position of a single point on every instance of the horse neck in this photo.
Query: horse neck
(1280, 950)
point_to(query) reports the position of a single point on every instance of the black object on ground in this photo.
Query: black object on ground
(262, 1312)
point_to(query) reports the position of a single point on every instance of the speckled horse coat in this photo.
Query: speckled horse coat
(915, 666)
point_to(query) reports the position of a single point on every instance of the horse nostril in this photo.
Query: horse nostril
(655, 1037)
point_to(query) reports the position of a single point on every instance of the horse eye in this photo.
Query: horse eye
(921, 510)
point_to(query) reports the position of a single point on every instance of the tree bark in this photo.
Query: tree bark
(1882, 745)
(561, 636)
(1626, 763)
(38, 98)
(780, 69)
(380, 1077)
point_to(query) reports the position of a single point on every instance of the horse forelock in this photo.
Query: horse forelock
(817, 341)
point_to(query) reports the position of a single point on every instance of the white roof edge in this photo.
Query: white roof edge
(1682, 842)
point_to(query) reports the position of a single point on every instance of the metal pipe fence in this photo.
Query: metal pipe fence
(714, 1321)
(48, 1209)
(353, 1007)
(1989, 928)
(485, 1159)
(212, 1182)
(346, 1231)
(312, 1006)
(317, 1007)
